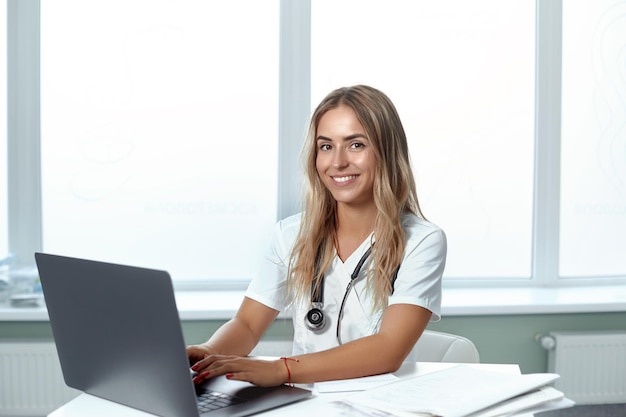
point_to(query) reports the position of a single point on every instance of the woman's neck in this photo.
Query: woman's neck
(353, 227)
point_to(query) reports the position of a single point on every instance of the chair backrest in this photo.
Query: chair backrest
(444, 347)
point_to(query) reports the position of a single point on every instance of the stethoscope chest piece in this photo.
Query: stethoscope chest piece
(315, 319)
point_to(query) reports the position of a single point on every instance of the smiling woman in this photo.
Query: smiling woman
(361, 215)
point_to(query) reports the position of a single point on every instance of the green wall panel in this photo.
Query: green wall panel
(500, 339)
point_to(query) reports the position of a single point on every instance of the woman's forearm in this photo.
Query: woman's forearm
(233, 338)
(241, 334)
(380, 353)
(367, 356)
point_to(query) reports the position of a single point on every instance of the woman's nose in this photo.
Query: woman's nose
(339, 158)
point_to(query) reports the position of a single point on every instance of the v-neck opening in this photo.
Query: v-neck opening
(356, 255)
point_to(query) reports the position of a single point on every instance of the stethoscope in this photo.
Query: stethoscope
(314, 319)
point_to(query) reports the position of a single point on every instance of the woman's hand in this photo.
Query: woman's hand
(196, 353)
(261, 372)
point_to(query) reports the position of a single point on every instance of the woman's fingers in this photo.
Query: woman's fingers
(200, 364)
(196, 353)
(211, 366)
(255, 371)
(202, 376)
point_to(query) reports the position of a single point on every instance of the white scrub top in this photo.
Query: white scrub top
(418, 283)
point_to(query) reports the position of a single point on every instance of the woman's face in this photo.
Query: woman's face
(345, 159)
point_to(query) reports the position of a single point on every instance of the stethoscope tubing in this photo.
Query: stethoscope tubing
(319, 301)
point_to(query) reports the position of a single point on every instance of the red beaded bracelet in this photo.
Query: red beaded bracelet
(287, 367)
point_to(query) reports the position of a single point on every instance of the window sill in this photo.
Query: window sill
(533, 300)
(221, 305)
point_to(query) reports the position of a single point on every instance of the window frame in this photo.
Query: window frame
(23, 130)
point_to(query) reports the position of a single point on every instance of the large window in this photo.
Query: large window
(462, 76)
(170, 131)
(159, 132)
(593, 171)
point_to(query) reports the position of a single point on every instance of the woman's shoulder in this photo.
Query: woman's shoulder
(289, 226)
(290, 222)
(285, 234)
(424, 239)
(417, 227)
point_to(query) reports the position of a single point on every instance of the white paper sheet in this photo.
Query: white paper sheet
(355, 384)
(454, 392)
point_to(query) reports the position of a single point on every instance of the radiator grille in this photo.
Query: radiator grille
(31, 379)
(592, 366)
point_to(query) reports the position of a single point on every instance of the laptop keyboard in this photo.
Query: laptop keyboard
(212, 400)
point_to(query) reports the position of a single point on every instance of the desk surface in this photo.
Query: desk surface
(319, 405)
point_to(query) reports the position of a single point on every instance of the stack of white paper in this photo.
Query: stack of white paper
(459, 391)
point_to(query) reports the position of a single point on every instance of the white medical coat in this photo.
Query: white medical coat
(418, 283)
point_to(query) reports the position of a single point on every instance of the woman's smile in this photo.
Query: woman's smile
(344, 179)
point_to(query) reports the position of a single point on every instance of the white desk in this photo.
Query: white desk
(319, 405)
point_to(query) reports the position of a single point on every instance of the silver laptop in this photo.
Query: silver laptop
(118, 336)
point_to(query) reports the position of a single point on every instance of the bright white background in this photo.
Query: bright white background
(159, 133)
(593, 175)
(159, 128)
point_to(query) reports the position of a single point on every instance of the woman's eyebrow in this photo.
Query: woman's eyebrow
(349, 137)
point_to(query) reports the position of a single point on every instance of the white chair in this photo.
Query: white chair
(444, 347)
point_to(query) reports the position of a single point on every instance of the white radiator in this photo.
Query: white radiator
(31, 382)
(592, 365)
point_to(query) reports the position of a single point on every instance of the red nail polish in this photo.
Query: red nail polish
(229, 376)
(200, 377)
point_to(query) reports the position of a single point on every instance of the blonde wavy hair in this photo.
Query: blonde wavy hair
(394, 194)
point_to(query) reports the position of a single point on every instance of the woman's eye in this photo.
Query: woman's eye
(356, 145)
(324, 147)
